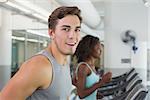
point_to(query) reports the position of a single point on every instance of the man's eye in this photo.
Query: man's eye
(77, 30)
(66, 29)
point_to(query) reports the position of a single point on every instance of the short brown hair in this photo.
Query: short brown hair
(60, 13)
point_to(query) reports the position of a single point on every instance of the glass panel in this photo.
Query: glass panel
(17, 50)
(32, 45)
(24, 46)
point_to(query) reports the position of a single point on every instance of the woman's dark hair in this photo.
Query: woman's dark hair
(60, 13)
(85, 48)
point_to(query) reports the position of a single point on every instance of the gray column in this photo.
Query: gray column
(5, 47)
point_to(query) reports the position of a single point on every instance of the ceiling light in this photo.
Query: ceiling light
(37, 33)
(33, 7)
(28, 9)
(3, 1)
(40, 16)
(29, 40)
(146, 3)
(18, 7)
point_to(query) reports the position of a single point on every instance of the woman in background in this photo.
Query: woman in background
(86, 80)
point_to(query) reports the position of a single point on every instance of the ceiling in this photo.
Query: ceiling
(95, 11)
(89, 15)
(50, 5)
(98, 6)
(47, 4)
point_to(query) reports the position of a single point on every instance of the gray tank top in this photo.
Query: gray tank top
(61, 84)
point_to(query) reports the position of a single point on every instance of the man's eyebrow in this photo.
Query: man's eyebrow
(78, 27)
(70, 26)
(66, 26)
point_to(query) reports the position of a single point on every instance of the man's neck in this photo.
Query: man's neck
(60, 58)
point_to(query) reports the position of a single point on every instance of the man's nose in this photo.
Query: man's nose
(72, 35)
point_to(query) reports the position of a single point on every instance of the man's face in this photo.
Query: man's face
(66, 34)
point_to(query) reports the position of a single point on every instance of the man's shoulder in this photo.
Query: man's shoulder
(38, 68)
(38, 62)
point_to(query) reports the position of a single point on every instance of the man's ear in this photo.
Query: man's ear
(51, 33)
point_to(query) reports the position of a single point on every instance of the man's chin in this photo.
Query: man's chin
(70, 53)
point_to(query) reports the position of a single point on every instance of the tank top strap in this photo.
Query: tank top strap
(47, 55)
(76, 71)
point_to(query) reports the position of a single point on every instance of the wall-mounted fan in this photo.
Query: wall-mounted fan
(129, 37)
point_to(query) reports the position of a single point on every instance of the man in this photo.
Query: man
(46, 76)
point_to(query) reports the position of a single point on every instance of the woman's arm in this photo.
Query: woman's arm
(83, 72)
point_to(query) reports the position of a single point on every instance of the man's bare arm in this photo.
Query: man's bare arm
(32, 75)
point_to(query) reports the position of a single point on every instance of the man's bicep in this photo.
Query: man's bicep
(29, 77)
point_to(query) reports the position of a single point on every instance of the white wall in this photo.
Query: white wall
(139, 60)
(0, 17)
(121, 16)
(148, 68)
(5, 50)
(148, 27)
